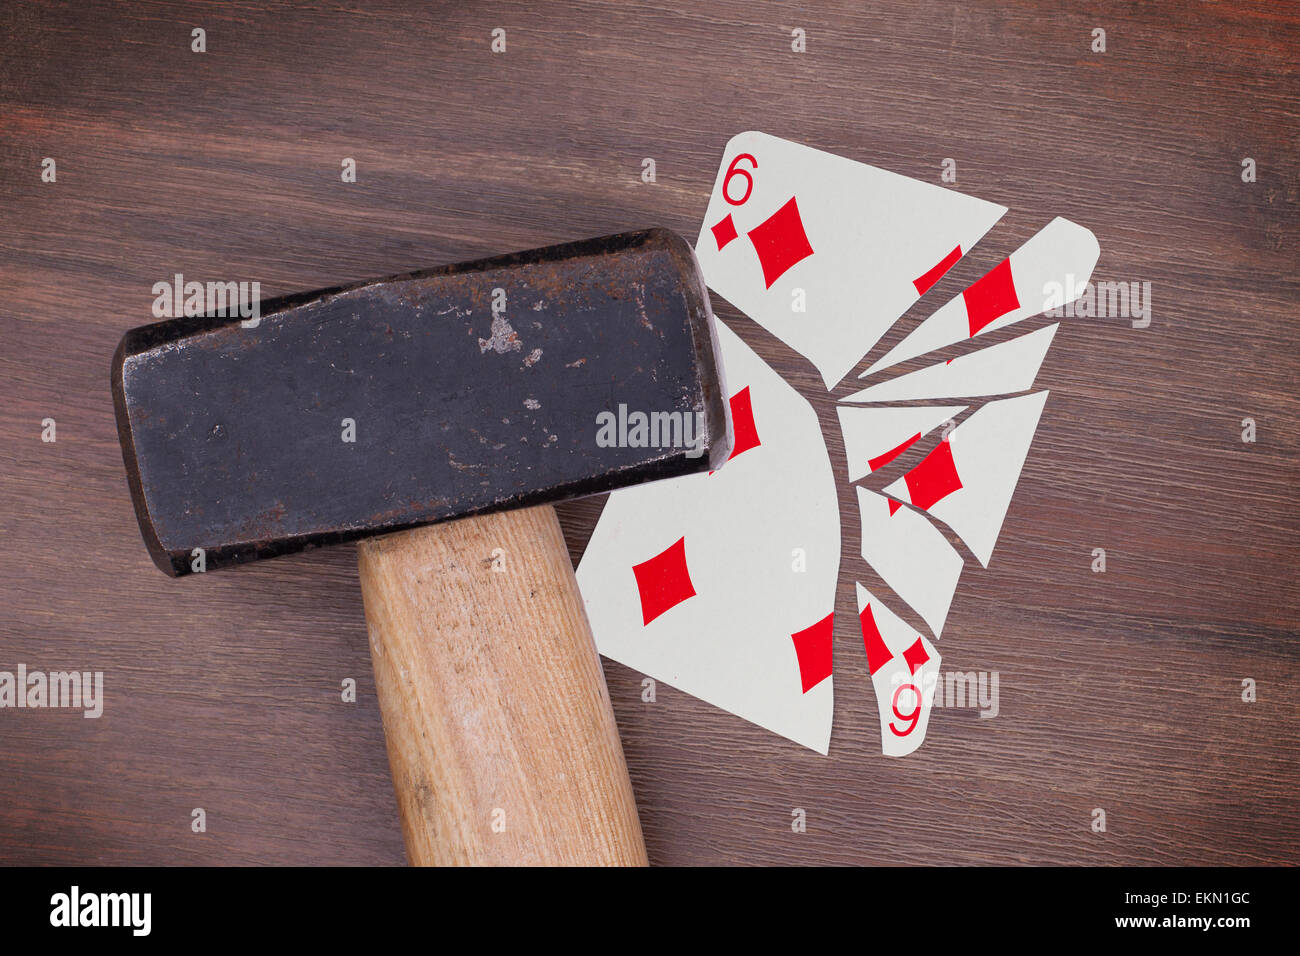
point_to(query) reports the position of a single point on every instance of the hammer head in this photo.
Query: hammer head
(371, 408)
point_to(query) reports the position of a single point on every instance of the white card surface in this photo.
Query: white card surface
(824, 252)
(1047, 271)
(873, 437)
(1000, 369)
(904, 672)
(723, 584)
(968, 480)
(911, 555)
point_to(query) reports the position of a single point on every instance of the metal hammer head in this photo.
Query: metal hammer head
(370, 408)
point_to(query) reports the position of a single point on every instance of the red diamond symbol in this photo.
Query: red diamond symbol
(780, 242)
(878, 655)
(926, 282)
(915, 656)
(934, 479)
(991, 296)
(742, 423)
(664, 581)
(724, 231)
(880, 461)
(812, 646)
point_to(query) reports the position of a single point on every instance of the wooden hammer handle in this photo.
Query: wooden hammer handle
(501, 738)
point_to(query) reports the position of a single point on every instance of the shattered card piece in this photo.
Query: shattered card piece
(723, 584)
(1048, 271)
(873, 437)
(968, 480)
(911, 555)
(1000, 369)
(824, 252)
(904, 670)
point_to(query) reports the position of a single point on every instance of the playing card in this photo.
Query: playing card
(911, 555)
(873, 437)
(904, 670)
(824, 252)
(968, 480)
(1049, 270)
(1000, 369)
(723, 584)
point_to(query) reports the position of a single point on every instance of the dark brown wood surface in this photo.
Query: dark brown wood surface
(1120, 691)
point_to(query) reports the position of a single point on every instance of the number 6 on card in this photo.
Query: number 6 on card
(824, 252)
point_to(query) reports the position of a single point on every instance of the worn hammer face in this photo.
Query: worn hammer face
(371, 408)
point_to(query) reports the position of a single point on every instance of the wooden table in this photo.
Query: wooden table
(1119, 690)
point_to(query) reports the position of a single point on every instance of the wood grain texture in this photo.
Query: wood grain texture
(500, 734)
(1119, 691)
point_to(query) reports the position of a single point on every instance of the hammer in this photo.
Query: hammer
(435, 417)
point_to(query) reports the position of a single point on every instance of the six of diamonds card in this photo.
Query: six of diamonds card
(724, 584)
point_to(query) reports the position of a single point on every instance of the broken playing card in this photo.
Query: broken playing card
(1059, 257)
(723, 584)
(824, 252)
(904, 670)
(968, 480)
(1001, 369)
(873, 437)
(911, 555)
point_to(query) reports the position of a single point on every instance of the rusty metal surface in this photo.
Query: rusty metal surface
(233, 437)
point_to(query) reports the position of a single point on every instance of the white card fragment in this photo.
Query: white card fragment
(968, 480)
(904, 671)
(911, 555)
(1000, 369)
(873, 437)
(824, 252)
(1048, 271)
(723, 584)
